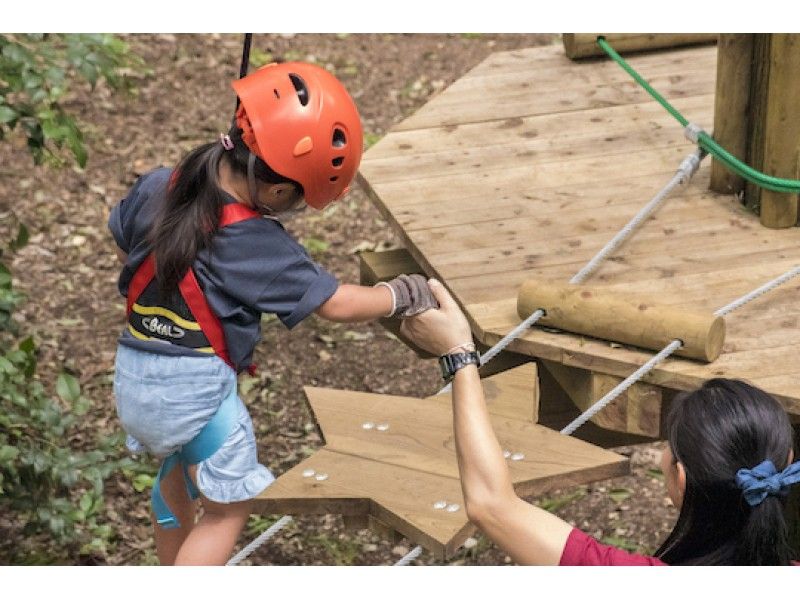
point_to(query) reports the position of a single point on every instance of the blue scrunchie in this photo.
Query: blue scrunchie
(764, 480)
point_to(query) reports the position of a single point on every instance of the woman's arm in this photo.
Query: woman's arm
(354, 303)
(530, 535)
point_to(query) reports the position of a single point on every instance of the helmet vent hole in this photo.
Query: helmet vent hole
(339, 140)
(333, 179)
(300, 88)
(337, 162)
(277, 94)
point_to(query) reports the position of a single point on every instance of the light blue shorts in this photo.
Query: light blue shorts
(163, 401)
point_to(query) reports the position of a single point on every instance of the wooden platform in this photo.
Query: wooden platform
(528, 164)
(396, 475)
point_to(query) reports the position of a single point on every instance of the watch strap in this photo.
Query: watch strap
(452, 362)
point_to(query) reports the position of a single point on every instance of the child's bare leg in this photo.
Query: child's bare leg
(214, 535)
(169, 541)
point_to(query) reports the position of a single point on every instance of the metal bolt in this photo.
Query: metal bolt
(307, 473)
(440, 504)
(517, 456)
(321, 477)
(367, 425)
(382, 427)
(452, 508)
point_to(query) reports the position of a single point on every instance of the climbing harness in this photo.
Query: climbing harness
(199, 448)
(208, 326)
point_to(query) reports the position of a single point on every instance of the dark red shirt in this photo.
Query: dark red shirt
(583, 550)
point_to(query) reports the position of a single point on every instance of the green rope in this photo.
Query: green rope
(704, 140)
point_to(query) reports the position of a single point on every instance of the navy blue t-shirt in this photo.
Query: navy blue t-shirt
(251, 267)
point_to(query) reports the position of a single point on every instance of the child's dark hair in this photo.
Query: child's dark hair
(189, 215)
(714, 431)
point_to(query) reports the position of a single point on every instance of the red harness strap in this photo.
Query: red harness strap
(190, 289)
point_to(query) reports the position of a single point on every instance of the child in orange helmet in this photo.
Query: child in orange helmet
(204, 258)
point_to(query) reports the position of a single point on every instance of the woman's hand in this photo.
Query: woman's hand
(438, 330)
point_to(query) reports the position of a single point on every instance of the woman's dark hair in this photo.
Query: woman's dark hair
(714, 431)
(189, 215)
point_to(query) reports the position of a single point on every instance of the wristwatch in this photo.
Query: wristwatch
(452, 362)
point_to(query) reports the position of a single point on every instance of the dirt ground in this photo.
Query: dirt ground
(69, 271)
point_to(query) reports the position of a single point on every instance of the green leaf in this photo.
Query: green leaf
(619, 495)
(7, 115)
(22, 238)
(8, 453)
(86, 503)
(6, 366)
(28, 346)
(315, 246)
(67, 387)
(143, 481)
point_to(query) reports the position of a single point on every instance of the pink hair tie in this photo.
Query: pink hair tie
(226, 141)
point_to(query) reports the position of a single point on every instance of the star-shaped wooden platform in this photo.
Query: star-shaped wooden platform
(393, 458)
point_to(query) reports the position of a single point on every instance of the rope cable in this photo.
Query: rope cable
(412, 556)
(255, 544)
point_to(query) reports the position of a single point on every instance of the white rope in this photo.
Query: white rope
(622, 387)
(255, 544)
(412, 556)
(687, 168)
(763, 289)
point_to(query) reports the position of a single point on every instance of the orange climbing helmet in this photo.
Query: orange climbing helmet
(301, 121)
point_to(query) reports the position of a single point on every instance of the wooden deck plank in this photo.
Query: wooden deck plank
(549, 136)
(580, 88)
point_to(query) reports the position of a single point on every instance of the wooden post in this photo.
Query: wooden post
(583, 45)
(732, 99)
(764, 130)
(781, 129)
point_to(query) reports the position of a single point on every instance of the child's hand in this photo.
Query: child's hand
(438, 330)
(411, 295)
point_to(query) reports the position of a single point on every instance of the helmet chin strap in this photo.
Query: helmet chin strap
(252, 187)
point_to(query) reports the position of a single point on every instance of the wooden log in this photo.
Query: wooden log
(631, 320)
(781, 130)
(731, 103)
(583, 45)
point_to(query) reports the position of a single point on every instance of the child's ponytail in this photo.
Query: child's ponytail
(188, 217)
